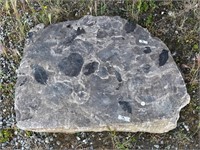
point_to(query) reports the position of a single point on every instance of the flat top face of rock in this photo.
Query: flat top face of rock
(95, 72)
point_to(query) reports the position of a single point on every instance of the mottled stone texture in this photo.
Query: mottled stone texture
(97, 74)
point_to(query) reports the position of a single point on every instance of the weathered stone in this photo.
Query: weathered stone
(97, 74)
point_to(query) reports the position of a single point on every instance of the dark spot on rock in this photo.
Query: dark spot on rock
(80, 31)
(174, 89)
(125, 106)
(77, 88)
(146, 68)
(129, 27)
(118, 76)
(147, 50)
(40, 74)
(58, 51)
(90, 68)
(23, 81)
(118, 38)
(101, 34)
(69, 26)
(163, 57)
(119, 86)
(30, 35)
(71, 65)
(81, 94)
(109, 68)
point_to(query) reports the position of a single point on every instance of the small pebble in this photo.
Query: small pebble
(143, 41)
(16, 132)
(78, 138)
(186, 127)
(85, 141)
(3, 144)
(51, 139)
(156, 146)
(46, 140)
(171, 14)
(58, 142)
(143, 103)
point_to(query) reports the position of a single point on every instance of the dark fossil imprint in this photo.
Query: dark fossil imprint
(40, 74)
(129, 27)
(80, 31)
(163, 57)
(125, 106)
(147, 50)
(90, 68)
(71, 65)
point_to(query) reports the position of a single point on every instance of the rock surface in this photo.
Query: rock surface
(97, 74)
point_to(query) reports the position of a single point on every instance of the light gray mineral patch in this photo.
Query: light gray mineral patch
(97, 74)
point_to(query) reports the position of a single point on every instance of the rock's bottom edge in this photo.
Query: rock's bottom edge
(158, 126)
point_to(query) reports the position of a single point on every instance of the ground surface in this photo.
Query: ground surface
(174, 22)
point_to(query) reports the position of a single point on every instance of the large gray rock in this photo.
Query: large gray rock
(97, 74)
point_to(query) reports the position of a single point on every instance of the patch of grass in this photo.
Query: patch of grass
(103, 8)
(149, 20)
(28, 133)
(123, 142)
(144, 6)
(183, 137)
(195, 47)
(5, 135)
(145, 10)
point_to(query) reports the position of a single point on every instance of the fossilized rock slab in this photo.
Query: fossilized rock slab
(97, 74)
